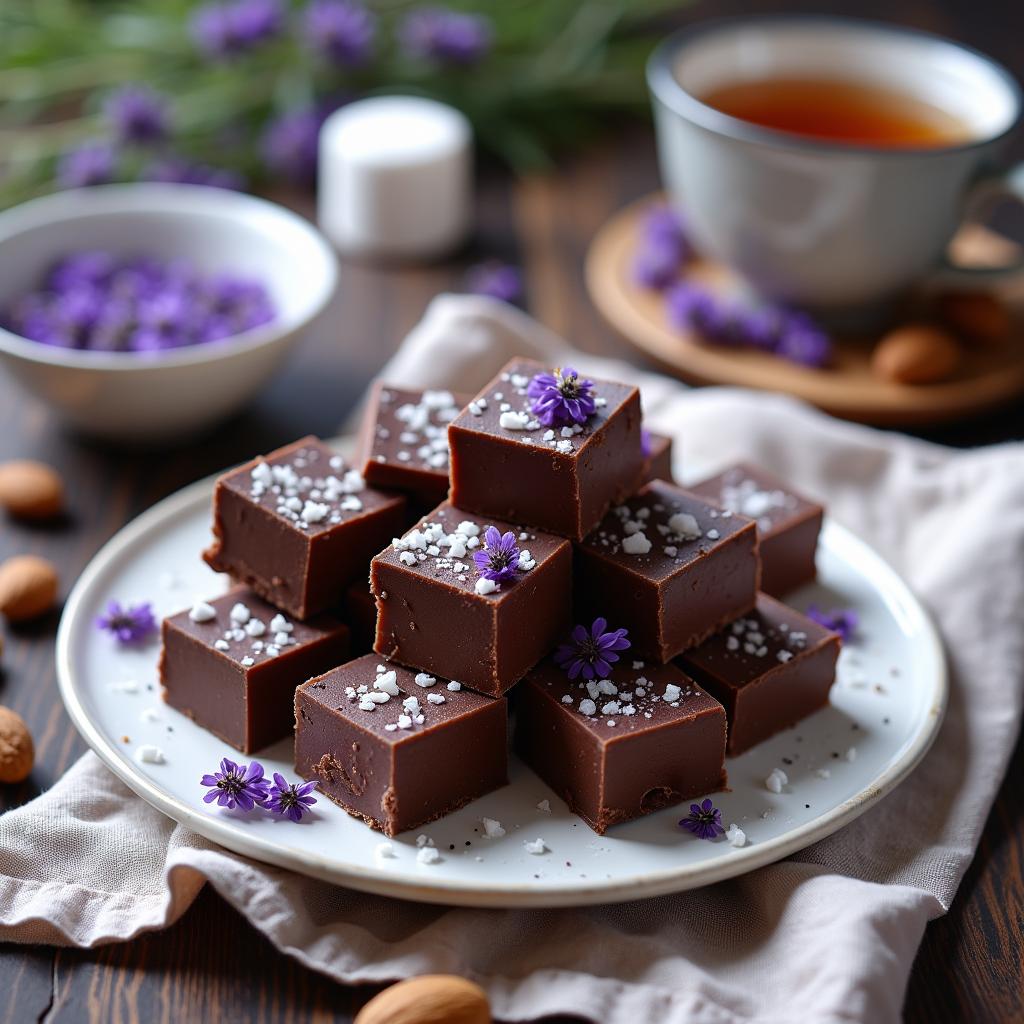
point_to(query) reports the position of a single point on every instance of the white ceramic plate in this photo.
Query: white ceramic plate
(885, 710)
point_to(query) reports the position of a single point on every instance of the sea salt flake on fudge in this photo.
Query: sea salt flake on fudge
(484, 622)
(556, 457)
(403, 441)
(761, 692)
(788, 524)
(652, 568)
(234, 685)
(283, 526)
(397, 770)
(663, 753)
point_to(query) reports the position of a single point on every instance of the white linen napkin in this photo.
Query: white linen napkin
(828, 935)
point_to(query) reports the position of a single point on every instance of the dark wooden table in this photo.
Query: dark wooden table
(212, 965)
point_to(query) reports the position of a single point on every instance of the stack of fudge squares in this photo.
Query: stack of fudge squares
(514, 542)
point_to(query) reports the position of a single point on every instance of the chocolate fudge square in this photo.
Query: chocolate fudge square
(396, 747)
(403, 442)
(360, 615)
(506, 463)
(436, 611)
(299, 526)
(232, 665)
(657, 449)
(669, 567)
(769, 669)
(788, 524)
(616, 749)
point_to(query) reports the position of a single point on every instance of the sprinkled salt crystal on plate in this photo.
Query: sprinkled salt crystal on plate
(545, 806)
(384, 850)
(636, 544)
(202, 612)
(125, 686)
(454, 686)
(492, 829)
(149, 715)
(149, 754)
(777, 778)
(484, 586)
(851, 754)
(823, 773)
(736, 836)
(428, 855)
(424, 840)
(685, 525)
(535, 846)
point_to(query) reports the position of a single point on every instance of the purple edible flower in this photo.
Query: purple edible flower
(645, 443)
(137, 114)
(663, 250)
(226, 29)
(498, 560)
(340, 30)
(292, 800)
(290, 145)
(591, 653)
(843, 621)
(561, 398)
(92, 163)
(236, 785)
(446, 36)
(704, 820)
(498, 280)
(802, 341)
(129, 624)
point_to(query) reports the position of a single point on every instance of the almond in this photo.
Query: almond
(430, 999)
(31, 490)
(16, 749)
(28, 587)
(916, 354)
(978, 316)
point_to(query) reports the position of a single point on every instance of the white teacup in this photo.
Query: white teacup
(829, 226)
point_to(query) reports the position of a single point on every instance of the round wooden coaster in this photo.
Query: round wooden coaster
(988, 378)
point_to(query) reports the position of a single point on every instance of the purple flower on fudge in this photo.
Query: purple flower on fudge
(236, 785)
(130, 624)
(498, 559)
(843, 621)
(561, 399)
(592, 652)
(704, 820)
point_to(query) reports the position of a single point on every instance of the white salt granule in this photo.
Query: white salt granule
(492, 828)
(148, 754)
(777, 778)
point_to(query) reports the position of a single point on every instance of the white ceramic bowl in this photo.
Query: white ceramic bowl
(133, 398)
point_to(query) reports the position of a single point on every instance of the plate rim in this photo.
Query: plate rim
(454, 892)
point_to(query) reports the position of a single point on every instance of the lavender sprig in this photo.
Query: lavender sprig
(443, 36)
(843, 621)
(340, 31)
(289, 799)
(128, 624)
(591, 653)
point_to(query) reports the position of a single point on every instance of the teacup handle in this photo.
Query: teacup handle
(982, 194)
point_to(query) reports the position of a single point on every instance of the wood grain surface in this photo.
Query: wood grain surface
(212, 966)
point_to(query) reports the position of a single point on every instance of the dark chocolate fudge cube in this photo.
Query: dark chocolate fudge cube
(299, 526)
(360, 614)
(622, 747)
(232, 665)
(403, 442)
(436, 611)
(508, 464)
(669, 567)
(657, 449)
(396, 747)
(788, 524)
(769, 669)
